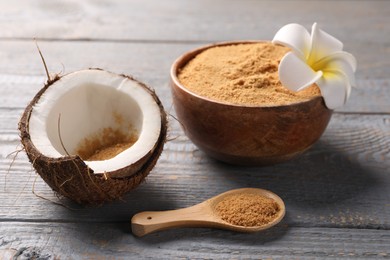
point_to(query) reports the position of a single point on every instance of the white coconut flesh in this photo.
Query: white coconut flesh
(84, 103)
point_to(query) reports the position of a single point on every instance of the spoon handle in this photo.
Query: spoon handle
(150, 221)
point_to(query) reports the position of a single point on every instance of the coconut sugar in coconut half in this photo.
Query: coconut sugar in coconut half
(88, 113)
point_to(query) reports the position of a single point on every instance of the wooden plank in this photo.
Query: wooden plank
(23, 75)
(343, 181)
(143, 59)
(188, 21)
(148, 60)
(16, 91)
(114, 241)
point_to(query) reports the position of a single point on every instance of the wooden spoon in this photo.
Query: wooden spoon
(200, 215)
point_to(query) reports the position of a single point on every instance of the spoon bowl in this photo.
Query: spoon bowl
(201, 215)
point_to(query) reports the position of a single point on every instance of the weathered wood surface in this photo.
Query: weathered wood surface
(111, 241)
(337, 194)
(202, 20)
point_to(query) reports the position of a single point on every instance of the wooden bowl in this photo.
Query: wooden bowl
(246, 135)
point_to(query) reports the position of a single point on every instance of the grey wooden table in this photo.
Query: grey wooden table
(337, 194)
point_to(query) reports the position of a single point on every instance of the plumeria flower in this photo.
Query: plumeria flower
(317, 58)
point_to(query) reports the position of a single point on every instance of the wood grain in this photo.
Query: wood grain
(112, 241)
(198, 21)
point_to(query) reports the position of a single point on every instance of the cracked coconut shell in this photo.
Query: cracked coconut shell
(83, 181)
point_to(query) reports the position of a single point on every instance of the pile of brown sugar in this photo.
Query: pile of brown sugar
(243, 74)
(106, 144)
(248, 210)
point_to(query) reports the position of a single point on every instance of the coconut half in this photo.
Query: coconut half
(93, 135)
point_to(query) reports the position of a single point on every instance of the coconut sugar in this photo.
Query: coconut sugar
(105, 145)
(248, 210)
(243, 74)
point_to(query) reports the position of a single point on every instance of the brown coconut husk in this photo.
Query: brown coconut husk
(69, 176)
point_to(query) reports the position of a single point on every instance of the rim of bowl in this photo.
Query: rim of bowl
(183, 59)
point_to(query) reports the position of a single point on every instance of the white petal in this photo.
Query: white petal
(294, 36)
(349, 87)
(322, 44)
(334, 88)
(339, 61)
(295, 74)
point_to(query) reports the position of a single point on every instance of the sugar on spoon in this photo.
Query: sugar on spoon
(202, 215)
